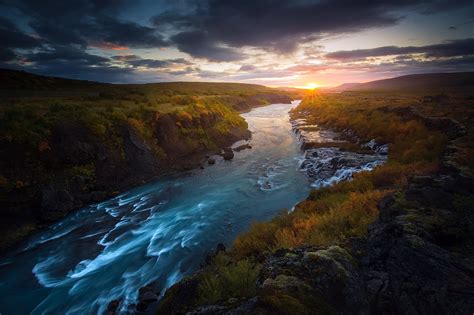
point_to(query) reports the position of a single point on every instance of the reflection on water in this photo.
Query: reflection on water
(158, 232)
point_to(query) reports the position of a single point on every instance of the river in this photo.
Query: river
(162, 231)
(158, 232)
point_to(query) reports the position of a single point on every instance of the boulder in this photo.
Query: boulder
(228, 154)
(211, 161)
(112, 307)
(146, 296)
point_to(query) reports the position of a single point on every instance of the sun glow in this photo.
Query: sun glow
(310, 86)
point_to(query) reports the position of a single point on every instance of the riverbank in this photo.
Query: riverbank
(397, 239)
(66, 144)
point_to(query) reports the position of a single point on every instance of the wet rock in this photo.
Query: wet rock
(266, 185)
(228, 154)
(113, 306)
(146, 296)
(381, 149)
(329, 165)
(211, 161)
(371, 144)
(242, 147)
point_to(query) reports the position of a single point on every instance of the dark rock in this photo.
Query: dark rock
(211, 161)
(56, 200)
(228, 154)
(242, 147)
(98, 196)
(113, 307)
(146, 296)
(176, 297)
(220, 248)
(141, 307)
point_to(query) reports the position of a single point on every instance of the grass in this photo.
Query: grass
(228, 278)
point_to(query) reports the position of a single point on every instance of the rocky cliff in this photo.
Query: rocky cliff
(78, 161)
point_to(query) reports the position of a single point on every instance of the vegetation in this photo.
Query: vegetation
(331, 215)
(228, 278)
(56, 133)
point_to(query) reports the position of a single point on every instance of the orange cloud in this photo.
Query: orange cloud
(109, 46)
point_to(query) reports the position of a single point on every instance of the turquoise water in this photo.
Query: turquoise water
(158, 232)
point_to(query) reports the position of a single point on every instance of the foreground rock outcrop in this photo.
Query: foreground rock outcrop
(417, 258)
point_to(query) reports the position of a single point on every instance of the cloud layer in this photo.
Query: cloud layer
(125, 40)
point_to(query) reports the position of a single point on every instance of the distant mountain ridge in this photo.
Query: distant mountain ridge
(22, 80)
(429, 81)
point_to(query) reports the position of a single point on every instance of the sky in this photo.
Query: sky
(270, 42)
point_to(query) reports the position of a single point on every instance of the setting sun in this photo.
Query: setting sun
(312, 86)
(309, 86)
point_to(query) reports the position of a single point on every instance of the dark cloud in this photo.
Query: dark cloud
(65, 30)
(449, 49)
(84, 22)
(66, 54)
(156, 64)
(279, 25)
(136, 61)
(7, 55)
(71, 62)
(12, 37)
(201, 45)
(464, 63)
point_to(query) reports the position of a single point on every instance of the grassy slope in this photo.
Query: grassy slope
(434, 82)
(195, 116)
(334, 214)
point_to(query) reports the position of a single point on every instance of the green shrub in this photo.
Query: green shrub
(227, 278)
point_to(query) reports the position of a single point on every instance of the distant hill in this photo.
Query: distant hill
(430, 81)
(12, 80)
(21, 80)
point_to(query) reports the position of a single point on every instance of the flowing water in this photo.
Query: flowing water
(158, 232)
